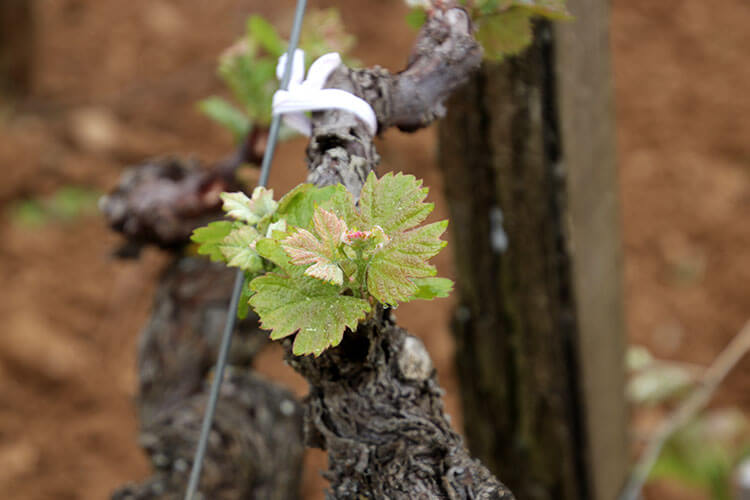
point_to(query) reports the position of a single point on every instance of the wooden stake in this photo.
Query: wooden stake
(528, 157)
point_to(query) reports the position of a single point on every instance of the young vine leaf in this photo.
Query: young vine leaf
(292, 302)
(251, 210)
(210, 239)
(395, 203)
(329, 261)
(243, 307)
(305, 248)
(238, 248)
(392, 271)
(505, 26)
(248, 68)
(432, 288)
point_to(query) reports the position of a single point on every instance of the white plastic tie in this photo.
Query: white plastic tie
(309, 94)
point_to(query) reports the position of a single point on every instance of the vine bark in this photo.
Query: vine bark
(375, 403)
(256, 449)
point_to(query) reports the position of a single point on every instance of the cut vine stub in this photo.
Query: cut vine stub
(163, 200)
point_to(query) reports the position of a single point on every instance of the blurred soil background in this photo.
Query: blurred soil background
(117, 82)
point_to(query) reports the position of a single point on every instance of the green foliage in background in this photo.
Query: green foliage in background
(65, 204)
(249, 68)
(654, 381)
(705, 453)
(504, 27)
(316, 263)
(702, 454)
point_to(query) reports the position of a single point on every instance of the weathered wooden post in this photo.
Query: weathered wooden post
(528, 148)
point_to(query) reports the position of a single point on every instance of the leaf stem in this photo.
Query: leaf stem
(361, 268)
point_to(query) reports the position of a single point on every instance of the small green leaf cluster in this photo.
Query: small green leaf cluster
(504, 27)
(316, 263)
(249, 68)
(705, 453)
(66, 204)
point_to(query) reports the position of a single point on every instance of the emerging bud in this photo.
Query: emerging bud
(351, 237)
(360, 239)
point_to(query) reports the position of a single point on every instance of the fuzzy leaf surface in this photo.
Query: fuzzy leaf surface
(210, 238)
(271, 250)
(305, 249)
(318, 249)
(238, 249)
(506, 33)
(243, 306)
(392, 271)
(298, 205)
(309, 307)
(237, 206)
(393, 202)
(396, 204)
(432, 288)
(251, 210)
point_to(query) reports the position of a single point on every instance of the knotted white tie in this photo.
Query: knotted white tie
(309, 95)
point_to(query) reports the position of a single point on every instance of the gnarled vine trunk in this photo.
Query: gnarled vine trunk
(374, 403)
(256, 449)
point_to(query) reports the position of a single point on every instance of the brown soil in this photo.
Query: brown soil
(117, 82)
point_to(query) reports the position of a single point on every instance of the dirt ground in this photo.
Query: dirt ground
(117, 81)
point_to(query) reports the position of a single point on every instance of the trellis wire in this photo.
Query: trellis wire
(226, 340)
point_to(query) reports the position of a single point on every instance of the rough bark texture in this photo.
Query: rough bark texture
(255, 450)
(163, 200)
(516, 326)
(514, 317)
(180, 343)
(16, 46)
(256, 447)
(341, 150)
(375, 406)
(374, 401)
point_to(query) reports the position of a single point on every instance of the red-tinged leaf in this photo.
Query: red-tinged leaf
(319, 249)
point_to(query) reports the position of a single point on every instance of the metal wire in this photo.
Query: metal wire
(226, 341)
